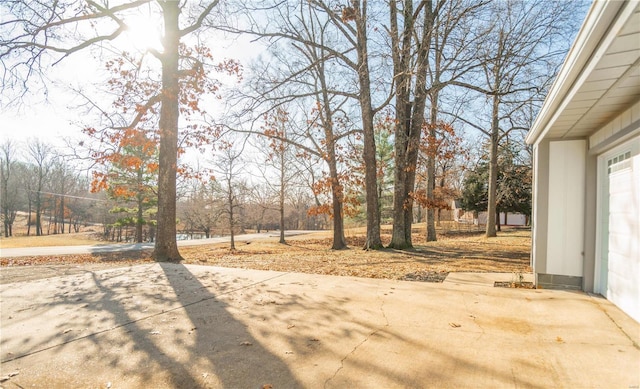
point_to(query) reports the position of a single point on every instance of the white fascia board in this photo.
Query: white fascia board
(587, 49)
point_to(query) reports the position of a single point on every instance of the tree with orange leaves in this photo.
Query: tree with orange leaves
(441, 144)
(131, 150)
(131, 181)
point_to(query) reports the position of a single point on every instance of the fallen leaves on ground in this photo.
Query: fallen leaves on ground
(428, 261)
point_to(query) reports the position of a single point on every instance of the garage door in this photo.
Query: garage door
(623, 248)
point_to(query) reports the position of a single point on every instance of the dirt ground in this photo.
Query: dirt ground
(455, 251)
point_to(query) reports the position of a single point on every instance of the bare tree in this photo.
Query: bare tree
(8, 181)
(358, 36)
(338, 37)
(524, 46)
(310, 176)
(410, 71)
(452, 56)
(41, 155)
(229, 168)
(63, 183)
(281, 160)
(263, 203)
(303, 73)
(430, 46)
(202, 209)
(447, 150)
(301, 200)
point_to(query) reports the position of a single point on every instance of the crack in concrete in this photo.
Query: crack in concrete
(384, 315)
(633, 342)
(347, 356)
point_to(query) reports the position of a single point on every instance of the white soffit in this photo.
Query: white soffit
(600, 78)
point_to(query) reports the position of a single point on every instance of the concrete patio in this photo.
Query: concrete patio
(187, 326)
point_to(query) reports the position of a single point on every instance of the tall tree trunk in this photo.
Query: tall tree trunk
(282, 194)
(417, 113)
(410, 117)
(282, 238)
(373, 240)
(4, 176)
(493, 169)
(431, 172)
(401, 51)
(337, 193)
(140, 201)
(38, 214)
(339, 241)
(29, 219)
(166, 247)
(431, 224)
(139, 220)
(441, 184)
(55, 211)
(6, 222)
(232, 246)
(62, 211)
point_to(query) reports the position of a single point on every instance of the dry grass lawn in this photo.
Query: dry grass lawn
(455, 251)
(86, 236)
(79, 239)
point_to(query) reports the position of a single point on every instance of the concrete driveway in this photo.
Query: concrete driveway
(187, 326)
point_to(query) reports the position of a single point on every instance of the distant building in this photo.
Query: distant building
(506, 219)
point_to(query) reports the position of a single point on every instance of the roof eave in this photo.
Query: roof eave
(595, 27)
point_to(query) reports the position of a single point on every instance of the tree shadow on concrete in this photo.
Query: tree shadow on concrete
(238, 359)
(124, 328)
(192, 326)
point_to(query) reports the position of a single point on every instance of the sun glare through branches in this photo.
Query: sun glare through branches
(144, 32)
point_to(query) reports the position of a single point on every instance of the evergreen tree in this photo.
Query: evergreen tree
(132, 182)
(513, 187)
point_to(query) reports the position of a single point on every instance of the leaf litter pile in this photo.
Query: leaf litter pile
(455, 251)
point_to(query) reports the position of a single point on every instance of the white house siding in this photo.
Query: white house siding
(614, 127)
(566, 207)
